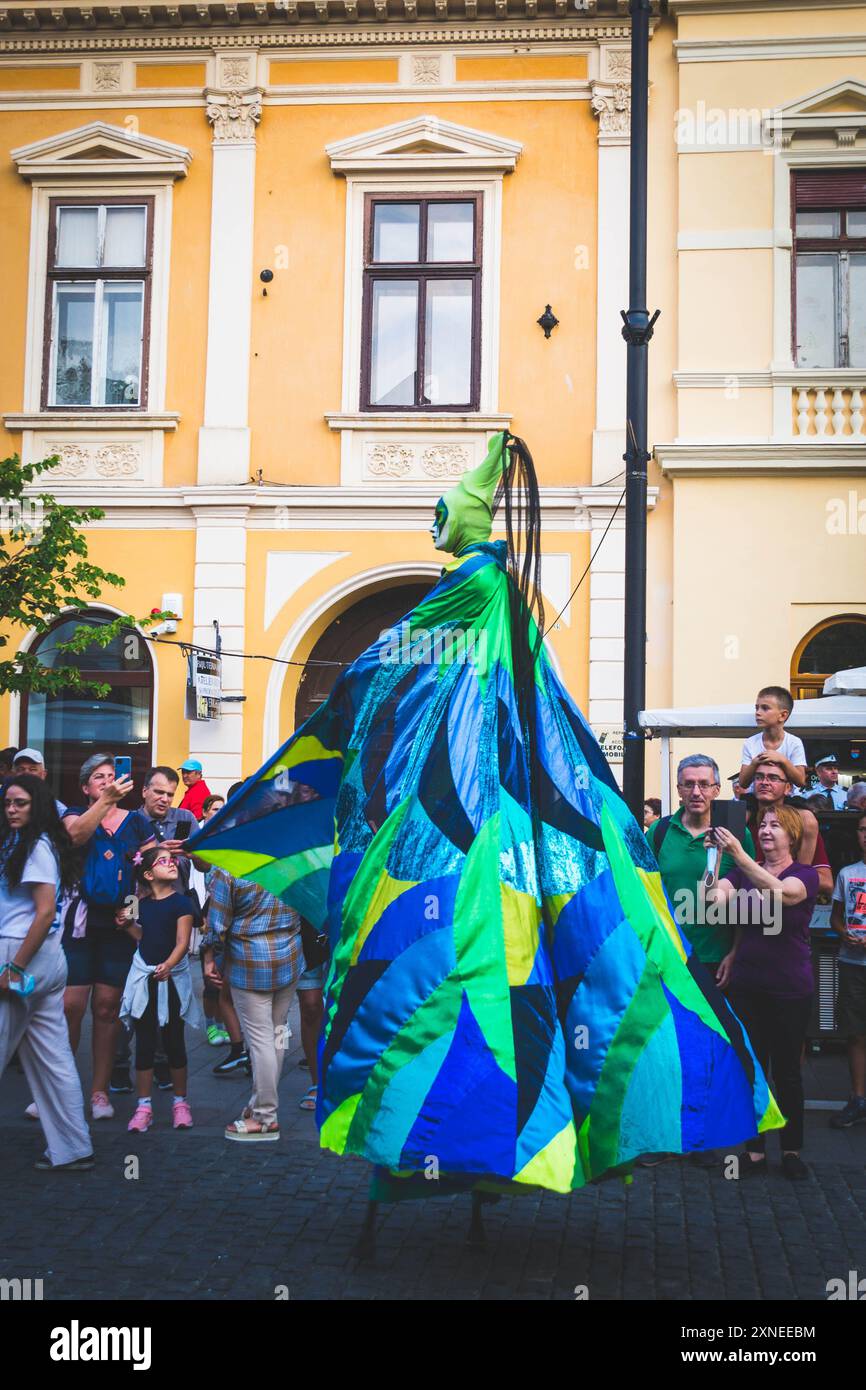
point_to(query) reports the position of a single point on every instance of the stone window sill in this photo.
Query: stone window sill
(417, 420)
(92, 420)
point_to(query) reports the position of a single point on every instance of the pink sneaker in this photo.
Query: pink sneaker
(101, 1107)
(181, 1115)
(141, 1120)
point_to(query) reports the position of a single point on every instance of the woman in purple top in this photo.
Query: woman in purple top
(769, 969)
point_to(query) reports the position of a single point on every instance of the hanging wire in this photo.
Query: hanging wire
(588, 563)
(191, 647)
(186, 647)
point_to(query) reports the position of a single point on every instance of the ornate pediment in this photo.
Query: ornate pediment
(835, 115)
(100, 148)
(423, 143)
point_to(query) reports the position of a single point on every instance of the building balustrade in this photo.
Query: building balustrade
(829, 412)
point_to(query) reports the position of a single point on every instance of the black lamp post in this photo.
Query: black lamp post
(637, 331)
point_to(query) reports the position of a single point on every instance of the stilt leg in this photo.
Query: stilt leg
(365, 1246)
(476, 1238)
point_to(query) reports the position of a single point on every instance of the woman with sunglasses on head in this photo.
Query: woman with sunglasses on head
(771, 790)
(37, 859)
(158, 995)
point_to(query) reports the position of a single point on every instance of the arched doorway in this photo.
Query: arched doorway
(69, 726)
(834, 645)
(347, 636)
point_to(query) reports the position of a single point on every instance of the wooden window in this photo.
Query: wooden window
(70, 725)
(829, 311)
(97, 303)
(834, 645)
(421, 344)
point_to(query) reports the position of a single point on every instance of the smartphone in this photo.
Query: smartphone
(122, 768)
(20, 981)
(731, 815)
(183, 832)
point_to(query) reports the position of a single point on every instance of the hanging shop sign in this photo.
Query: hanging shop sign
(203, 686)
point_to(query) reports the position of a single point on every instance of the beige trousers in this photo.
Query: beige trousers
(35, 1024)
(263, 1015)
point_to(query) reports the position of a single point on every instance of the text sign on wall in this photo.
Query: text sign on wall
(203, 686)
(611, 741)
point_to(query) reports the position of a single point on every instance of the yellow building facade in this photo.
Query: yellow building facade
(273, 276)
(762, 443)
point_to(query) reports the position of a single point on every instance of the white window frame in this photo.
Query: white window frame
(789, 152)
(100, 334)
(785, 161)
(98, 161)
(421, 157)
(802, 139)
(491, 215)
(38, 289)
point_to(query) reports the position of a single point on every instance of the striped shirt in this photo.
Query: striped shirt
(260, 935)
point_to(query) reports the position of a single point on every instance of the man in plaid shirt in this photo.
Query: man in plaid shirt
(256, 940)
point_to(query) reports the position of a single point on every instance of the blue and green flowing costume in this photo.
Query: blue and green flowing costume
(508, 993)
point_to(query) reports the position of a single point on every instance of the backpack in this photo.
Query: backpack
(315, 946)
(659, 831)
(108, 876)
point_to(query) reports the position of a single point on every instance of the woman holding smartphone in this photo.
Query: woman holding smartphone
(769, 970)
(98, 951)
(37, 861)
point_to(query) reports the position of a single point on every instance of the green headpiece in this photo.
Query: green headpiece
(464, 516)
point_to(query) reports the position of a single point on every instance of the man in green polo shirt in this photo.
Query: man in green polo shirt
(678, 845)
(682, 858)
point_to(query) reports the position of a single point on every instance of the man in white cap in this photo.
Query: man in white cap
(827, 772)
(30, 760)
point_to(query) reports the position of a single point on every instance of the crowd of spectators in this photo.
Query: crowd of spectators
(778, 866)
(102, 908)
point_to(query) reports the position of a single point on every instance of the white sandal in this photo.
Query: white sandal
(239, 1129)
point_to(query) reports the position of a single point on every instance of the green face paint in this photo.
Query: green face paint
(439, 529)
(467, 508)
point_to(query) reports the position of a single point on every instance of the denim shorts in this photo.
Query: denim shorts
(314, 978)
(101, 957)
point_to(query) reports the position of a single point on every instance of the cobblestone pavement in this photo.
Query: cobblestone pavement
(207, 1219)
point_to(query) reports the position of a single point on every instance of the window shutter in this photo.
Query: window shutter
(830, 188)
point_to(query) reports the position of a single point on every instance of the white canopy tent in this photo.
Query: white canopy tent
(835, 716)
(852, 682)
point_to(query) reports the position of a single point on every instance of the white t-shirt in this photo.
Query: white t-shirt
(16, 905)
(850, 891)
(791, 748)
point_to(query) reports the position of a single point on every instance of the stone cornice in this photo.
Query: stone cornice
(783, 48)
(70, 17)
(694, 7)
(806, 457)
(534, 25)
(364, 507)
(774, 376)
